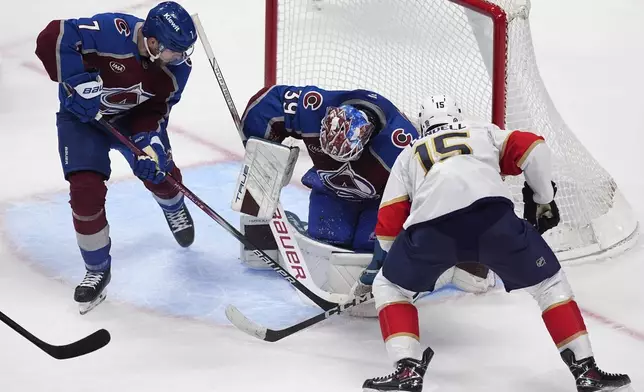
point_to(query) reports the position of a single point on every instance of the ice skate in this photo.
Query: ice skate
(181, 224)
(92, 290)
(589, 378)
(408, 376)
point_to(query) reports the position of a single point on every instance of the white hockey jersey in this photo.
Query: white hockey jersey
(454, 167)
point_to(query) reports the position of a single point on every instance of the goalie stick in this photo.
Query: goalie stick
(321, 302)
(86, 345)
(293, 247)
(273, 335)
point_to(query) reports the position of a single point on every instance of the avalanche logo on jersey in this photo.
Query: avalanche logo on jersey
(312, 100)
(117, 99)
(347, 184)
(400, 138)
(122, 27)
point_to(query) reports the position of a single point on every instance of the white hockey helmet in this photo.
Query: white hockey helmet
(437, 110)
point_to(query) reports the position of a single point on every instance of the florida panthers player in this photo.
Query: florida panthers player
(353, 138)
(133, 71)
(445, 203)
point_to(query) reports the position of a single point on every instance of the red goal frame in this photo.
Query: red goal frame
(499, 49)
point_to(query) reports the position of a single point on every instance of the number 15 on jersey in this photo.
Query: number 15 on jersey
(440, 147)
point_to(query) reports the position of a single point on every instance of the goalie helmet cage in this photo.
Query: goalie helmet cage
(478, 51)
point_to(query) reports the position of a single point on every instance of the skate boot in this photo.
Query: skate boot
(590, 378)
(92, 290)
(181, 225)
(408, 376)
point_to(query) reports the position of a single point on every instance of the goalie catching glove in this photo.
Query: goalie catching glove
(542, 216)
(267, 167)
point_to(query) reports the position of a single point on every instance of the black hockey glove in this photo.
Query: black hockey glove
(542, 216)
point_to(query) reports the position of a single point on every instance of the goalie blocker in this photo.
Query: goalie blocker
(267, 167)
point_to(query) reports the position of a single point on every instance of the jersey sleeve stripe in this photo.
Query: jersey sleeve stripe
(59, 72)
(505, 144)
(394, 200)
(516, 148)
(528, 151)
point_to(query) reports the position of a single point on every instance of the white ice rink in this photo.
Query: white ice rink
(165, 305)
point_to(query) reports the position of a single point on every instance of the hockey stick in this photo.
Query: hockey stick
(293, 247)
(218, 74)
(322, 303)
(84, 346)
(273, 335)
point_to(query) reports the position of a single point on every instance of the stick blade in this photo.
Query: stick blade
(88, 344)
(244, 324)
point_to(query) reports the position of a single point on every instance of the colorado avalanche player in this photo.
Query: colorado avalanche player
(445, 203)
(353, 138)
(133, 71)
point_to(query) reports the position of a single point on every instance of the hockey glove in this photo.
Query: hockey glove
(542, 216)
(81, 95)
(154, 165)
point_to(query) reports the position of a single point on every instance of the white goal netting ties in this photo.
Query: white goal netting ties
(478, 51)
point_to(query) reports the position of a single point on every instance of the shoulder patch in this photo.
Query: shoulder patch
(312, 100)
(122, 26)
(400, 138)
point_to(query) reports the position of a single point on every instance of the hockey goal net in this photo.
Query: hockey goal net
(476, 50)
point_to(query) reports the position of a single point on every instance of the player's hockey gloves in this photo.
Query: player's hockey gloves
(155, 163)
(542, 216)
(81, 95)
(368, 274)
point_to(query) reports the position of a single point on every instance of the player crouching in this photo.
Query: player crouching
(133, 71)
(445, 203)
(353, 138)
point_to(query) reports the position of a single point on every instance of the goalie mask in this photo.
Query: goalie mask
(345, 132)
(437, 111)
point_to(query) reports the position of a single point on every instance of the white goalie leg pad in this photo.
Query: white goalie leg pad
(259, 233)
(267, 167)
(472, 283)
(551, 291)
(342, 277)
(445, 278)
(345, 269)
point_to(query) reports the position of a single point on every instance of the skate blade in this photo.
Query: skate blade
(625, 388)
(85, 307)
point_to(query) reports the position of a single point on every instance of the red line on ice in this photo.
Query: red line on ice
(613, 324)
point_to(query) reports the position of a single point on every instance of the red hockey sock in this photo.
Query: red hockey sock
(399, 319)
(87, 199)
(564, 322)
(164, 190)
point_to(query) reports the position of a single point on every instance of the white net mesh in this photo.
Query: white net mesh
(408, 49)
